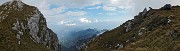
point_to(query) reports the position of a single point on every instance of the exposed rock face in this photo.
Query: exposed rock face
(144, 12)
(128, 25)
(33, 25)
(26, 22)
(152, 30)
(139, 18)
(141, 31)
(166, 7)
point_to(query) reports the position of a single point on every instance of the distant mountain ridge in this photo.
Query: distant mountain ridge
(150, 30)
(79, 38)
(23, 28)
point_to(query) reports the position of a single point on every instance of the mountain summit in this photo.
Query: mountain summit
(151, 30)
(23, 28)
(18, 4)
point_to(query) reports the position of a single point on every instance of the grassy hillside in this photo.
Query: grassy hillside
(154, 30)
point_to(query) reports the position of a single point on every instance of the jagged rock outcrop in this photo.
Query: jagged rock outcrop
(152, 30)
(144, 12)
(27, 27)
(166, 7)
(128, 25)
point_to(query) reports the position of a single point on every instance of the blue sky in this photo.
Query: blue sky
(64, 16)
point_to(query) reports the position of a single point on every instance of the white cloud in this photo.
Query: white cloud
(61, 22)
(54, 11)
(126, 4)
(98, 7)
(111, 14)
(96, 20)
(73, 24)
(108, 8)
(78, 3)
(85, 20)
(67, 23)
(77, 13)
(67, 16)
(100, 13)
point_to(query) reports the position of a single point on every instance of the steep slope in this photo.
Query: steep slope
(151, 30)
(23, 28)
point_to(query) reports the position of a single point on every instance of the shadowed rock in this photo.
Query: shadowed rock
(166, 7)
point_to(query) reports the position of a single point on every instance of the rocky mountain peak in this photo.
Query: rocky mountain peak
(27, 27)
(18, 4)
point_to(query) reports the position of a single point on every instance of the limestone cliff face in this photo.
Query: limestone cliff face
(25, 26)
